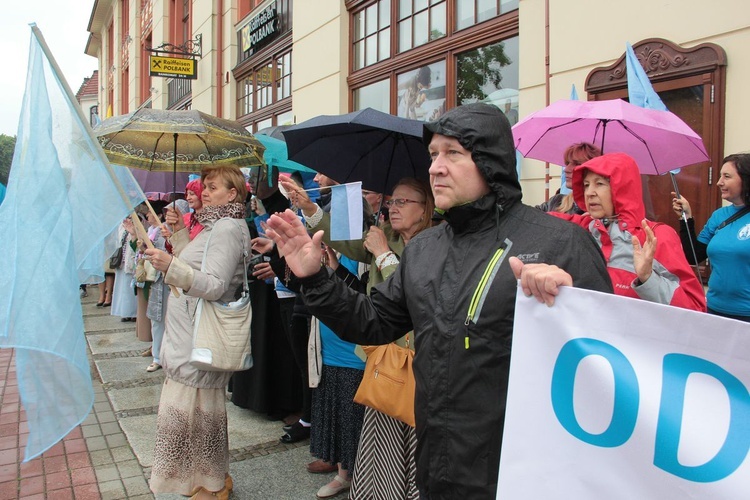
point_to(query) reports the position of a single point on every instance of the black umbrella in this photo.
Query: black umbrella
(375, 148)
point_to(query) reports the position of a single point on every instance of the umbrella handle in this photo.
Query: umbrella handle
(143, 236)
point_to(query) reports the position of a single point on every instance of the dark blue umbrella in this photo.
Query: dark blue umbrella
(375, 148)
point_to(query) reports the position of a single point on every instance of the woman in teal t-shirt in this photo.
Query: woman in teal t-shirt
(725, 241)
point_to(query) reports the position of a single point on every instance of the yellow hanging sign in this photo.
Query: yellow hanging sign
(173, 67)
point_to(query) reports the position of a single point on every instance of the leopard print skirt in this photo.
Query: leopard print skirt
(192, 447)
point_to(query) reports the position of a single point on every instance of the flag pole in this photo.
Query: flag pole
(99, 151)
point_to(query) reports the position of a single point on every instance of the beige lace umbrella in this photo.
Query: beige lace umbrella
(177, 141)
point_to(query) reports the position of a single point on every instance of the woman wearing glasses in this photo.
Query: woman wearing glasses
(385, 465)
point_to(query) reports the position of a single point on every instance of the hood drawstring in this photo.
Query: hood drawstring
(498, 214)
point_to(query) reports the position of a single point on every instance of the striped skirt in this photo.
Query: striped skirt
(385, 468)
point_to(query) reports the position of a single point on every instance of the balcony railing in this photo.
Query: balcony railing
(179, 91)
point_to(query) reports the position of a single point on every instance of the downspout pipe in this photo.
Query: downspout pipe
(546, 87)
(219, 65)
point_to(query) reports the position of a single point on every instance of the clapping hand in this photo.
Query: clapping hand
(643, 256)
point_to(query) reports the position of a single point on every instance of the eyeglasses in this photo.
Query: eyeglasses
(400, 202)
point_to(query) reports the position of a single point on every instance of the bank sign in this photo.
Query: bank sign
(260, 30)
(173, 67)
(619, 398)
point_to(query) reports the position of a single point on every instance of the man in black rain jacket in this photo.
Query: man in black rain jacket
(463, 324)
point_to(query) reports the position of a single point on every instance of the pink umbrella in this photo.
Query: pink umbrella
(160, 182)
(659, 141)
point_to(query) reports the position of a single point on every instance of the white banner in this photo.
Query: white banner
(619, 398)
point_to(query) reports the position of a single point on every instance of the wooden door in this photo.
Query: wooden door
(691, 83)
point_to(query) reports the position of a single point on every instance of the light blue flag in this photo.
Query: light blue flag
(61, 205)
(640, 91)
(2, 193)
(347, 218)
(564, 189)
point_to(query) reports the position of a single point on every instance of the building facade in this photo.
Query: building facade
(278, 62)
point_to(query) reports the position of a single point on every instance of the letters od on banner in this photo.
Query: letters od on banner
(260, 29)
(646, 409)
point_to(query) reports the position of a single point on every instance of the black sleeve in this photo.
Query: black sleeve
(278, 264)
(690, 242)
(351, 279)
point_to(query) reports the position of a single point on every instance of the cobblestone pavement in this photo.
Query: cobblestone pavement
(109, 456)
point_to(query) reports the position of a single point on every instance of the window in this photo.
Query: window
(490, 74)
(420, 21)
(286, 118)
(458, 65)
(185, 33)
(125, 22)
(471, 12)
(94, 115)
(376, 96)
(372, 34)
(145, 70)
(421, 92)
(246, 96)
(125, 92)
(266, 85)
(284, 76)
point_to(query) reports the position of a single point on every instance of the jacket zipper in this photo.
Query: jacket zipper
(480, 294)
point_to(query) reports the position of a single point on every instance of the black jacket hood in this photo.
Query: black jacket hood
(485, 131)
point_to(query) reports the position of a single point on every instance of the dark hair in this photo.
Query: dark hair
(424, 75)
(741, 162)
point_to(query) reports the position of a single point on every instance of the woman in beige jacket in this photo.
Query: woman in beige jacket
(191, 453)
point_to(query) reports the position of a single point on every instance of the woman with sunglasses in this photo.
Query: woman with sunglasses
(384, 463)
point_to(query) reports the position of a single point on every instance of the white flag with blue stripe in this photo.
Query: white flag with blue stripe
(346, 212)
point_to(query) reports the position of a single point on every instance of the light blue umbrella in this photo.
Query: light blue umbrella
(276, 155)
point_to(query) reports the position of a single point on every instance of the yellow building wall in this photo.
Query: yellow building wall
(320, 59)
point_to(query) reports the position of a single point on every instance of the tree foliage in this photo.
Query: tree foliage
(479, 67)
(7, 145)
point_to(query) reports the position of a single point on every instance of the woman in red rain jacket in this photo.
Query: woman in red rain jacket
(644, 258)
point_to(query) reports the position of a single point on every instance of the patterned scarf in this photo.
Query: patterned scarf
(212, 213)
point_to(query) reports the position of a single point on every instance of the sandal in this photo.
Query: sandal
(203, 494)
(330, 490)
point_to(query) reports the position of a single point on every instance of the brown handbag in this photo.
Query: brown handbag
(388, 383)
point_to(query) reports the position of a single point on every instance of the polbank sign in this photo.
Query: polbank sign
(260, 30)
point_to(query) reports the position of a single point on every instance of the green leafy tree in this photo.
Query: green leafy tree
(7, 145)
(479, 67)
